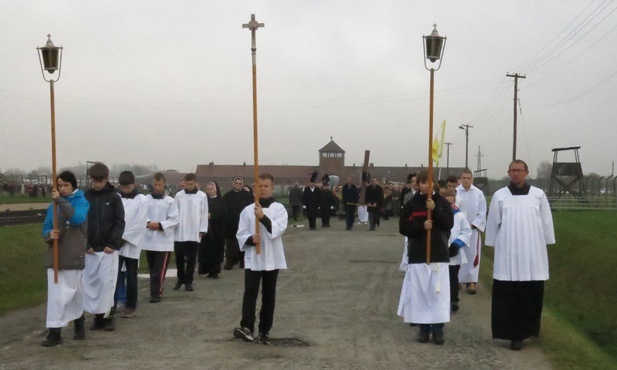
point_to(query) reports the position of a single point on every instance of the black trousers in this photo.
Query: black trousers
(295, 212)
(325, 220)
(454, 281)
(350, 216)
(373, 218)
(157, 266)
(268, 299)
(312, 222)
(186, 259)
(131, 281)
(516, 309)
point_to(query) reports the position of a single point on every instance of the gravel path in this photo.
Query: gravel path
(336, 309)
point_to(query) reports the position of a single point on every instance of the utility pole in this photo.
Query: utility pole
(516, 76)
(448, 159)
(466, 128)
(480, 155)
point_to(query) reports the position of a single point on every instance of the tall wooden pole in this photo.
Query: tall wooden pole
(253, 25)
(53, 175)
(429, 214)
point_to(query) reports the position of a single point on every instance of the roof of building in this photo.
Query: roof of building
(332, 147)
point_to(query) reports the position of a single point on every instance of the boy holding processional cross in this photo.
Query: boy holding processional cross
(263, 266)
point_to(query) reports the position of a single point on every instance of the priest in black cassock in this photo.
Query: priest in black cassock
(311, 199)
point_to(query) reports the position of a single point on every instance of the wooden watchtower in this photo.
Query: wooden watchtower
(567, 177)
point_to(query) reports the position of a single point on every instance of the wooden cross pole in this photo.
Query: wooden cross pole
(363, 178)
(253, 25)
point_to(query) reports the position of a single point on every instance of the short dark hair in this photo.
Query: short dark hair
(442, 183)
(519, 161)
(190, 177)
(266, 176)
(99, 171)
(467, 171)
(449, 193)
(452, 178)
(159, 177)
(422, 176)
(68, 176)
(126, 178)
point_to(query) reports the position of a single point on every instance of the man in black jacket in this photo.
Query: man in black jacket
(105, 229)
(311, 198)
(374, 202)
(351, 196)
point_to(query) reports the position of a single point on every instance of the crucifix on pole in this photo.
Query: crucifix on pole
(253, 25)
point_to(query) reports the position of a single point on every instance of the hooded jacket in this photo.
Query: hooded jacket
(105, 218)
(73, 226)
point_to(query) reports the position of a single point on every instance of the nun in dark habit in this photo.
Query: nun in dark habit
(212, 246)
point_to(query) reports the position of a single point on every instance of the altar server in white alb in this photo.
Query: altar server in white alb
(520, 225)
(473, 205)
(264, 266)
(192, 225)
(65, 301)
(135, 217)
(105, 229)
(460, 235)
(162, 219)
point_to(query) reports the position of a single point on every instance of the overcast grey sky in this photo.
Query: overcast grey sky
(169, 82)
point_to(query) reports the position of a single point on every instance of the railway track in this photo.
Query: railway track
(33, 216)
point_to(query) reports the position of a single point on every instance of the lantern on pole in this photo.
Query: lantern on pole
(434, 46)
(50, 59)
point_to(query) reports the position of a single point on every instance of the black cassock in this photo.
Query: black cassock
(212, 246)
(312, 200)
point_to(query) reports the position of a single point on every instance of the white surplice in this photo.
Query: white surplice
(135, 218)
(520, 227)
(193, 216)
(425, 295)
(65, 301)
(164, 211)
(473, 205)
(99, 280)
(272, 254)
(461, 231)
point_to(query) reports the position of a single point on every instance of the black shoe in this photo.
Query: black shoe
(178, 285)
(244, 333)
(54, 337)
(109, 324)
(215, 275)
(155, 299)
(189, 287)
(516, 345)
(264, 338)
(454, 307)
(423, 336)
(438, 338)
(99, 323)
(80, 332)
(228, 267)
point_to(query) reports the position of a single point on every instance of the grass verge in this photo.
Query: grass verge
(579, 327)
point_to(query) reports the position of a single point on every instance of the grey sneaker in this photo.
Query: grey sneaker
(264, 338)
(244, 333)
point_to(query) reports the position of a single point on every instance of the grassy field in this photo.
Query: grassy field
(5, 199)
(579, 326)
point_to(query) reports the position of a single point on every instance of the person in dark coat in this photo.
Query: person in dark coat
(235, 201)
(351, 197)
(295, 201)
(212, 246)
(327, 205)
(374, 201)
(311, 199)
